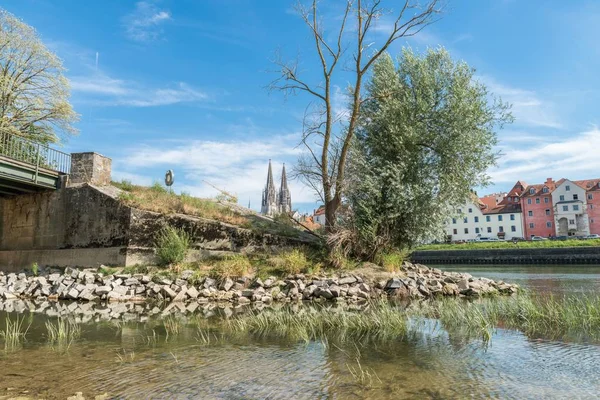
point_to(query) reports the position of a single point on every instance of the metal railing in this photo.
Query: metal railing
(34, 153)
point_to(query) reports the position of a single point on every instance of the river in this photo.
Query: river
(136, 357)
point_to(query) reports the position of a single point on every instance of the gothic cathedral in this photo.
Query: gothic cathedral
(274, 202)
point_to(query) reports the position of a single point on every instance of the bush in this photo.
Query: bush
(236, 265)
(158, 188)
(393, 261)
(171, 245)
(124, 185)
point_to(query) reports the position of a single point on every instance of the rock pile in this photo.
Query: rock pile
(413, 281)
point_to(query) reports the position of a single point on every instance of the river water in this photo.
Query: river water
(127, 352)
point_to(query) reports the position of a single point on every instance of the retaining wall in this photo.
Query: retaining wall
(566, 255)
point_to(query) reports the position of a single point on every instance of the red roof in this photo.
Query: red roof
(588, 184)
(320, 210)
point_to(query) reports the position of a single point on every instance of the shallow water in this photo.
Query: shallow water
(126, 352)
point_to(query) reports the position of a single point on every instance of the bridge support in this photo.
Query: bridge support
(90, 167)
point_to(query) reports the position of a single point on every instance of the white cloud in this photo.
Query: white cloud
(528, 107)
(239, 167)
(143, 24)
(574, 157)
(106, 91)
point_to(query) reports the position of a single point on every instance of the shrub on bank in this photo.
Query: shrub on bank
(171, 245)
(235, 265)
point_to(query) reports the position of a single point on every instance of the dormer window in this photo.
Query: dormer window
(545, 190)
(532, 191)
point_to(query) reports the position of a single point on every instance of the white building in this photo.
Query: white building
(569, 201)
(503, 220)
(319, 216)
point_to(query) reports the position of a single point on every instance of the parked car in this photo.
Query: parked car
(538, 238)
(518, 239)
(488, 239)
(593, 236)
(560, 238)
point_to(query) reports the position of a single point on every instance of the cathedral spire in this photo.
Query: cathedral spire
(284, 199)
(270, 176)
(269, 197)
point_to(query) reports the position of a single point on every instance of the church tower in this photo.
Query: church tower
(269, 197)
(284, 198)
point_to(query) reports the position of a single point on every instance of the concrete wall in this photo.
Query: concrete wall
(88, 226)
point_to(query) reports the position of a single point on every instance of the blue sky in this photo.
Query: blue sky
(180, 84)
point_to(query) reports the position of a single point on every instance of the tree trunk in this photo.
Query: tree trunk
(330, 211)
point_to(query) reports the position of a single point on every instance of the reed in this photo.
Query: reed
(62, 332)
(14, 332)
(379, 322)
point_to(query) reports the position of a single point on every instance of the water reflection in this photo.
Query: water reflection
(131, 351)
(552, 279)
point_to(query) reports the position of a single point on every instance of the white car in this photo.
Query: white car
(593, 236)
(538, 238)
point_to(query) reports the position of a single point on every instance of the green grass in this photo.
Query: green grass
(14, 332)
(171, 245)
(380, 322)
(392, 261)
(550, 317)
(158, 199)
(510, 245)
(63, 332)
(235, 265)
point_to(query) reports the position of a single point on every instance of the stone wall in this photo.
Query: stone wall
(565, 255)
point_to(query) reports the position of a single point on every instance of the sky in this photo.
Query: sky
(182, 84)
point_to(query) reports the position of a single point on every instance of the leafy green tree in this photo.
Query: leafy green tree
(426, 138)
(34, 94)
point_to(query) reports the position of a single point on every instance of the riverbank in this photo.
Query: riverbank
(515, 255)
(88, 285)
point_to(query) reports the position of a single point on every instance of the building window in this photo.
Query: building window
(575, 197)
(530, 213)
(571, 222)
(453, 220)
(489, 229)
(512, 217)
(548, 224)
(547, 211)
(470, 210)
(476, 230)
(513, 228)
(500, 229)
(537, 200)
(592, 221)
(565, 208)
(499, 217)
(488, 218)
(545, 190)
(590, 196)
(568, 188)
(591, 206)
(476, 219)
(546, 200)
(528, 201)
(465, 220)
(466, 230)
(532, 191)
(575, 207)
(460, 211)
(455, 232)
(562, 197)
(531, 225)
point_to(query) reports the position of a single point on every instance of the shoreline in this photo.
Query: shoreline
(412, 281)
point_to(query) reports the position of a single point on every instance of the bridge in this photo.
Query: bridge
(27, 166)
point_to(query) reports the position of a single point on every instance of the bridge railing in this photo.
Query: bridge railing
(37, 154)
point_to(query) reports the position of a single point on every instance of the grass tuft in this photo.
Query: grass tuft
(392, 261)
(63, 332)
(14, 332)
(171, 245)
(290, 262)
(235, 265)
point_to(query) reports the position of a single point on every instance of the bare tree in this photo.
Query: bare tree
(323, 165)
